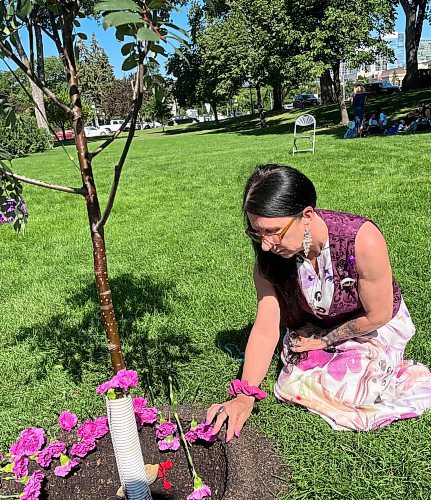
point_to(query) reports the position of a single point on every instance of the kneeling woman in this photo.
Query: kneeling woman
(327, 276)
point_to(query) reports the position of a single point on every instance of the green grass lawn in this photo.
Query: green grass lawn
(181, 275)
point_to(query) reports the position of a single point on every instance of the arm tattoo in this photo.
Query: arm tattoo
(343, 332)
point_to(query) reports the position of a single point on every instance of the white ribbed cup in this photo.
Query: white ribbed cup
(127, 448)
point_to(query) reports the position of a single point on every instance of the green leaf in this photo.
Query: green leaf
(158, 49)
(111, 394)
(117, 5)
(24, 8)
(147, 34)
(8, 467)
(155, 4)
(127, 48)
(121, 18)
(178, 38)
(64, 459)
(82, 36)
(25, 480)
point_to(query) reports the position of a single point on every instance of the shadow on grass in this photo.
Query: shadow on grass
(150, 342)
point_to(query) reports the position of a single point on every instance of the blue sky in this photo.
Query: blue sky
(112, 46)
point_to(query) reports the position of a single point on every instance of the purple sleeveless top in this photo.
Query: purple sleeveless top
(342, 228)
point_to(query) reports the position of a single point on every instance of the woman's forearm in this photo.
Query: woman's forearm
(258, 356)
(352, 329)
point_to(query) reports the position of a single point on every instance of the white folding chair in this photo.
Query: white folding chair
(309, 134)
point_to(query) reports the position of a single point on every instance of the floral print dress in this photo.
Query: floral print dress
(366, 383)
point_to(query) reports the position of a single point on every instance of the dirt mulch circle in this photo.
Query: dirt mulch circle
(244, 469)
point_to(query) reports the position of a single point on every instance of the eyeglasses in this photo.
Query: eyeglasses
(276, 237)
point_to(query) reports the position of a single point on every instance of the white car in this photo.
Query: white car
(95, 131)
(288, 106)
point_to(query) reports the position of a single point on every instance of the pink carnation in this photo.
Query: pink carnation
(20, 467)
(54, 449)
(169, 443)
(33, 487)
(146, 416)
(165, 429)
(101, 427)
(200, 493)
(30, 442)
(104, 387)
(139, 404)
(205, 432)
(82, 448)
(67, 420)
(64, 470)
(124, 379)
(191, 436)
(87, 430)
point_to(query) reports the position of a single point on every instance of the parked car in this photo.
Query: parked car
(95, 131)
(68, 134)
(288, 106)
(180, 120)
(303, 100)
(113, 125)
(374, 88)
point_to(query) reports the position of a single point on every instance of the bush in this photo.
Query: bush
(24, 137)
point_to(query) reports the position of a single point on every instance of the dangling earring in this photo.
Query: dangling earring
(306, 242)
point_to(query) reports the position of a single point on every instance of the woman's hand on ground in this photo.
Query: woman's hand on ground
(235, 412)
(301, 344)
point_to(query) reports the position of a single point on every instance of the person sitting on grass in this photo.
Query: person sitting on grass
(373, 125)
(326, 275)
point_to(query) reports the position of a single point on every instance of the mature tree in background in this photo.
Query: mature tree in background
(95, 73)
(116, 97)
(217, 64)
(415, 11)
(326, 89)
(157, 109)
(345, 30)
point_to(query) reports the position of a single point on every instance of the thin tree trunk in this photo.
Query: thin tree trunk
(326, 92)
(93, 207)
(214, 106)
(260, 106)
(415, 15)
(339, 93)
(277, 92)
(36, 92)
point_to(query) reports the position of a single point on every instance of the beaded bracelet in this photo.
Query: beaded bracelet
(238, 387)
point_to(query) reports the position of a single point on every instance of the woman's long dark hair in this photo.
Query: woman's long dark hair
(279, 191)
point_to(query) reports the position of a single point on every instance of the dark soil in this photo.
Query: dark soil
(243, 469)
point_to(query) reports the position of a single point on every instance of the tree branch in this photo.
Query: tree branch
(112, 138)
(34, 78)
(47, 185)
(118, 168)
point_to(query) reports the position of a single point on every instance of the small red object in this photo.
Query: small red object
(163, 468)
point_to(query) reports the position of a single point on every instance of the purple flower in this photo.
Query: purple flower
(139, 404)
(4, 219)
(33, 487)
(1, 457)
(205, 432)
(87, 430)
(165, 429)
(124, 379)
(199, 493)
(64, 470)
(82, 448)
(101, 427)
(146, 416)
(67, 420)
(169, 443)
(20, 467)
(30, 442)
(191, 435)
(54, 449)
(104, 387)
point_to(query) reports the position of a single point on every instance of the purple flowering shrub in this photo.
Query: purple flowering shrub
(12, 206)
